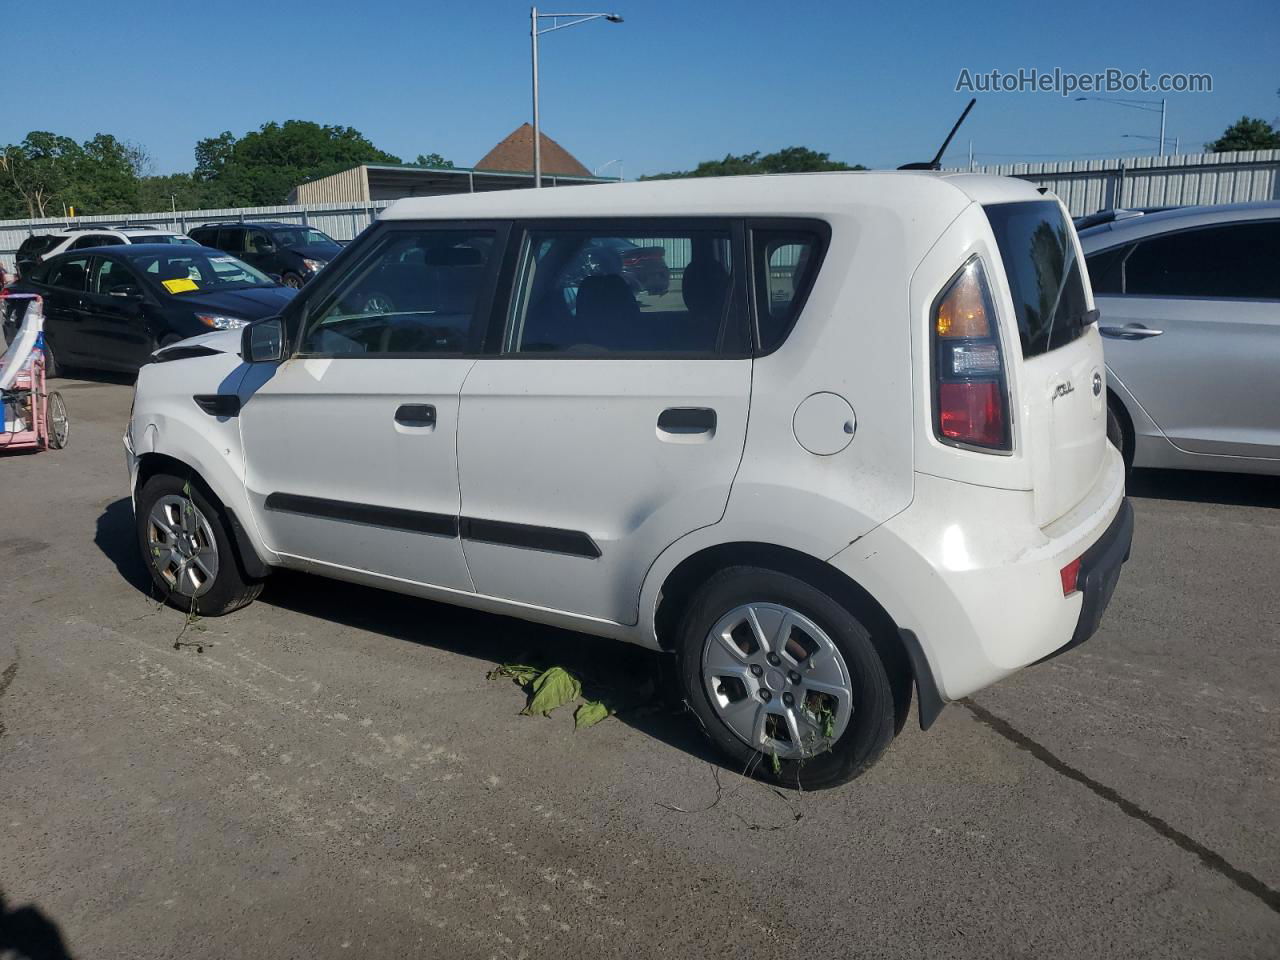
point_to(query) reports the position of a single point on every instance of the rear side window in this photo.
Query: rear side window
(205, 236)
(1236, 260)
(785, 263)
(1038, 251)
(627, 289)
(417, 292)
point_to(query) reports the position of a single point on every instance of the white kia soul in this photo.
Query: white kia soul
(828, 438)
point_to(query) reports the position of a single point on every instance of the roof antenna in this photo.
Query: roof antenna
(936, 162)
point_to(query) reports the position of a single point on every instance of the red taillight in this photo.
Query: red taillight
(1070, 574)
(970, 396)
(972, 412)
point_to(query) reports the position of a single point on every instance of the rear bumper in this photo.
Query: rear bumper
(1099, 574)
(973, 582)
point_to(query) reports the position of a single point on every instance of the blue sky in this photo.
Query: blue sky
(678, 82)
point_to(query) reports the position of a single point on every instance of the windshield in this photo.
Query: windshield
(1039, 257)
(303, 237)
(198, 272)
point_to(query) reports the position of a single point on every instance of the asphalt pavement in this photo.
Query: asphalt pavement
(330, 773)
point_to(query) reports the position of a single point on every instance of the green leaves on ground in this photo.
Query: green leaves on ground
(551, 688)
(589, 714)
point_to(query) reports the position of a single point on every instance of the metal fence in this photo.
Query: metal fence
(1087, 186)
(342, 221)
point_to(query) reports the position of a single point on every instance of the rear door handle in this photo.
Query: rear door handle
(416, 415)
(687, 420)
(1130, 331)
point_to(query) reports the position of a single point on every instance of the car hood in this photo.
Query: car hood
(319, 252)
(252, 304)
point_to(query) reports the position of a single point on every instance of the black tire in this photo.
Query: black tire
(869, 730)
(292, 280)
(230, 588)
(52, 368)
(1120, 434)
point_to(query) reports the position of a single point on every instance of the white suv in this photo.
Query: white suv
(855, 446)
(38, 247)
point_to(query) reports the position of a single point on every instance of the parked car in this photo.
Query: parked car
(896, 477)
(110, 308)
(292, 252)
(1190, 304)
(42, 246)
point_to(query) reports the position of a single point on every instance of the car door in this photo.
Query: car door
(350, 444)
(612, 422)
(231, 240)
(113, 314)
(64, 284)
(1192, 322)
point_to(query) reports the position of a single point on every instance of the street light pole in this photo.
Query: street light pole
(534, 33)
(1150, 105)
(537, 124)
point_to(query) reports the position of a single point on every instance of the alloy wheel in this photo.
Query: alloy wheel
(777, 680)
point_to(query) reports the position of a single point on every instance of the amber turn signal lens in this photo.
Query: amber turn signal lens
(963, 311)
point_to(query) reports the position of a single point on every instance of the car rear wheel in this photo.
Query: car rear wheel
(187, 549)
(1120, 433)
(785, 680)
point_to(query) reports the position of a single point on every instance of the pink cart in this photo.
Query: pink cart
(31, 418)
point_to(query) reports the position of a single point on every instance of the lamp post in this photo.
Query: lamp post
(535, 31)
(1152, 106)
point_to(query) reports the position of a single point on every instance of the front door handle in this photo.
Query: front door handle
(687, 420)
(1130, 331)
(416, 415)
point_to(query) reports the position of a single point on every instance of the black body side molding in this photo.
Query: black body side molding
(414, 521)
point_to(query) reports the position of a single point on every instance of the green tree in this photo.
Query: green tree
(47, 171)
(1247, 133)
(787, 160)
(264, 165)
(433, 160)
(175, 191)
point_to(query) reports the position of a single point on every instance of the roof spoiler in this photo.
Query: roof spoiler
(936, 162)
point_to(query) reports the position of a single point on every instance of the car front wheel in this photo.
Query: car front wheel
(187, 549)
(784, 679)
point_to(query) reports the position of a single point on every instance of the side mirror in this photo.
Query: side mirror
(263, 341)
(264, 247)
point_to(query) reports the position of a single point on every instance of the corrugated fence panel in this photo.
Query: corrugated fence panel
(342, 221)
(1087, 186)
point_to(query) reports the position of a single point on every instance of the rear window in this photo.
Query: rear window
(33, 247)
(1044, 275)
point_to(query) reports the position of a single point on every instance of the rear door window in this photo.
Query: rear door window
(70, 274)
(231, 239)
(632, 288)
(1039, 254)
(1238, 260)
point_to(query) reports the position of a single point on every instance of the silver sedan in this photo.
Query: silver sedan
(1190, 309)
